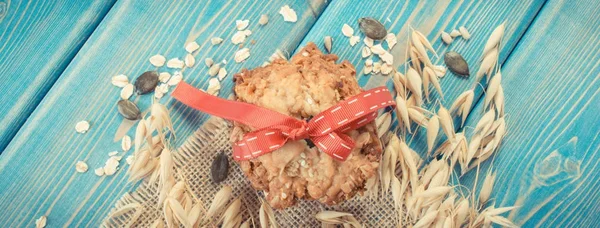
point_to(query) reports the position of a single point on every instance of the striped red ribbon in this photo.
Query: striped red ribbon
(326, 130)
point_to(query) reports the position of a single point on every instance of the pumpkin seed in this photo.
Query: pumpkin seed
(456, 63)
(128, 110)
(146, 82)
(372, 28)
(219, 168)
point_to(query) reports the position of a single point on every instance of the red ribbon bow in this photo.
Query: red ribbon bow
(274, 129)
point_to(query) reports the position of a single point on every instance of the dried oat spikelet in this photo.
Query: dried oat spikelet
(433, 127)
(266, 215)
(487, 186)
(490, 53)
(178, 211)
(335, 218)
(220, 200)
(232, 217)
(414, 85)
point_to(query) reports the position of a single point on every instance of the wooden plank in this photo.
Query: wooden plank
(430, 18)
(38, 39)
(44, 182)
(548, 163)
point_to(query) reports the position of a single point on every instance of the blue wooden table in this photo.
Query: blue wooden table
(57, 59)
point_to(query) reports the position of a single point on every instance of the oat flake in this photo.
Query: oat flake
(164, 77)
(247, 32)
(126, 143)
(222, 74)
(127, 91)
(81, 167)
(158, 94)
(175, 63)
(120, 80)
(377, 49)
(369, 62)
(241, 24)
(191, 46)
(82, 126)
(214, 69)
(157, 60)
(175, 79)
(288, 14)
(391, 40)
(189, 60)
(366, 52)
(264, 19)
(216, 40)
(111, 165)
(41, 222)
(347, 31)
(238, 38)
(368, 41)
(354, 40)
(241, 55)
(213, 86)
(99, 171)
(113, 153)
(130, 159)
(209, 62)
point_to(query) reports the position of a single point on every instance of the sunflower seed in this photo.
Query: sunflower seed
(189, 60)
(175, 79)
(175, 63)
(82, 126)
(354, 40)
(128, 110)
(464, 32)
(157, 60)
(216, 40)
(81, 167)
(126, 143)
(447, 38)
(241, 24)
(328, 42)
(288, 14)
(164, 77)
(214, 69)
(456, 63)
(146, 82)
(127, 91)
(191, 47)
(372, 28)
(241, 55)
(219, 168)
(264, 19)
(120, 80)
(209, 62)
(347, 30)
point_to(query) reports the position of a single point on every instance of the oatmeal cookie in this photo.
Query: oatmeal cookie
(303, 87)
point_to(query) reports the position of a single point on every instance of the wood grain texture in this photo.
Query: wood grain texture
(38, 167)
(430, 18)
(38, 39)
(549, 160)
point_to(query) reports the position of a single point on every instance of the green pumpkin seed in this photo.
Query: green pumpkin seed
(146, 82)
(372, 28)
(456, 63)
(129, 110)
(219, 168)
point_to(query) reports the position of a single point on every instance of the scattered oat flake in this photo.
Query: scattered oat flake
(247, 32)
(127, 91)
(367, 69)
(189, 60)
(288, 14)
(113, 153)
(377, 49)
(454, 33)
(368, 41)
(366, 52)
(175, 79)
(191, 46)
(391, 40)
(82, 126)
(175, 63)
(157, 60)
(369, 62)
(40, 222)
(222, 74)
(126, 143)
(354, 40)
(214, 69)
(163, 88)
(164, 77)
(347, 31)
(447, 38)
(464, 32)
(386, 69)
(241, 55)
(376, 67)
(99, 171)
(81, 167)
(264, 19)
(213, 86)
(111, 166)
(238, 38)
(130, 159)
(387, 58)
(158, 94)
(241, 24)
(209, 62)
(216, 40)
(120, 80)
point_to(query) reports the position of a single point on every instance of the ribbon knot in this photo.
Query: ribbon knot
(326, 129)
(299, 133)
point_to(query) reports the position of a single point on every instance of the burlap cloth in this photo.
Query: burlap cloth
(193, 159)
